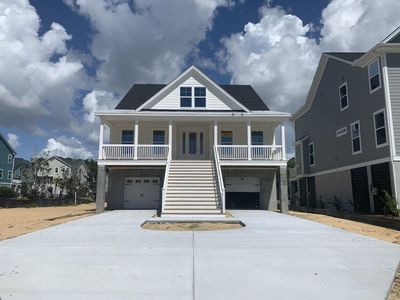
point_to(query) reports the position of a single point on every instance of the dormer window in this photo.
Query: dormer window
(186, 96)
(200, 97)
(374, 75)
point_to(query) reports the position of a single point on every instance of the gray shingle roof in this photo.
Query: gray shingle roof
(349, 56)
(140, 93)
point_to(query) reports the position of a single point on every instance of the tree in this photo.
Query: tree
(92, 174)
(37, 175)
(74, 183)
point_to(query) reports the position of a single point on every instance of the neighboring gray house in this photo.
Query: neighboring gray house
(348, 131)
(7, 155)
(191, 147)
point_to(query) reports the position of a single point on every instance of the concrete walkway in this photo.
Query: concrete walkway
(275, 256)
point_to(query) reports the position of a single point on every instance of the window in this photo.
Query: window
(9, 175)
(311, 154)
(226, 138)
(186, 96)
(356, 137)
(56, 170)
(200, 97)
(341, 131)
(10, 157)
(343, 94)
(380, 128)
(257, 138)
(158, 137)
(1, 173)
(374, 75)
(127, 136)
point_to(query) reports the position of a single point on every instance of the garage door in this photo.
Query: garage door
(242, 192)
(142, 193)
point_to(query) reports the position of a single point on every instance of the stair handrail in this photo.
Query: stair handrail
(220, 178)
(165, 185)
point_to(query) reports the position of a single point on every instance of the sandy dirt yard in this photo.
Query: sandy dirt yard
(378, 232)
(18, 221)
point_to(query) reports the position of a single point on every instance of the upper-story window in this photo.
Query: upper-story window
(380, 128)
(10, 157)
(56, 170)
(193, 97)
(374, 75)
(200, 97)
(9, 175)
(311, 154)
(344, 97)
(186, 96)
(158, 137)
(226, 138)
(356, 137)
(257, 138)
(127, 136)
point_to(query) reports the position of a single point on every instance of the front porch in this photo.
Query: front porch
(228, 142)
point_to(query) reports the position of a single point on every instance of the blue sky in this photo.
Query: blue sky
(64, 59)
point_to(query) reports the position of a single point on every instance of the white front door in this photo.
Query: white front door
(192, 143)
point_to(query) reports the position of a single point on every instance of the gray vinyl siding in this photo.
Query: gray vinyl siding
(324, 118)
(299, 162)
(4, 164)
(393, 62)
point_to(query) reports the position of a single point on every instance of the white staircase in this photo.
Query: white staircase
(192, 189)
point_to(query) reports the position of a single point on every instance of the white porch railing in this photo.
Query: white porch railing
(220, 178)
(241, 152)
(117, 151)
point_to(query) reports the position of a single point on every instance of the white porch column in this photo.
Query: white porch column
(170, 140)
(136, 139)
(248, 140)
(101, 140)
(215, 133)
(283, 141)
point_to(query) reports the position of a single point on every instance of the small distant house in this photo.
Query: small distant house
(7, 155)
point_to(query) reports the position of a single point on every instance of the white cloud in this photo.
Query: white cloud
(279, 58)
(146, 40)
(96, 101)
(13, 139)
(67, 147)
(35, 85)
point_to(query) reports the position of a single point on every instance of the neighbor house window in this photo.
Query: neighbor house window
(257, 138)
(9, 175)
(1, 173)
(56, 170)
(186, 96)
(380, 128)
(127, 136)
(226, 138)
(311, 154)
(10, 157)
(200, 97)
(356, 137)
(344, 98)
(374, 75)
(158, 137)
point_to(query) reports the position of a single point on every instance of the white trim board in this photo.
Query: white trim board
(345, 168)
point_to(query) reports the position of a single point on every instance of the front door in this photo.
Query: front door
(192, 144)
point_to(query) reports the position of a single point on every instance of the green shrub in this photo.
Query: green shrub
(390, 204)
(6, 192)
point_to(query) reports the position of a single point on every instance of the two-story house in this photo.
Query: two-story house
(348, 131)
(7, 155)
(191, 147)
(59, 167)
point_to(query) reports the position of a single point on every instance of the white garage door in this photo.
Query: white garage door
(242, 184)
(142, 192)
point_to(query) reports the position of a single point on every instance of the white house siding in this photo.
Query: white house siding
(172, 100)
(54, 164)
(393, 61)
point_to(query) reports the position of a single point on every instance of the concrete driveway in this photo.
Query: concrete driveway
(109, 256)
